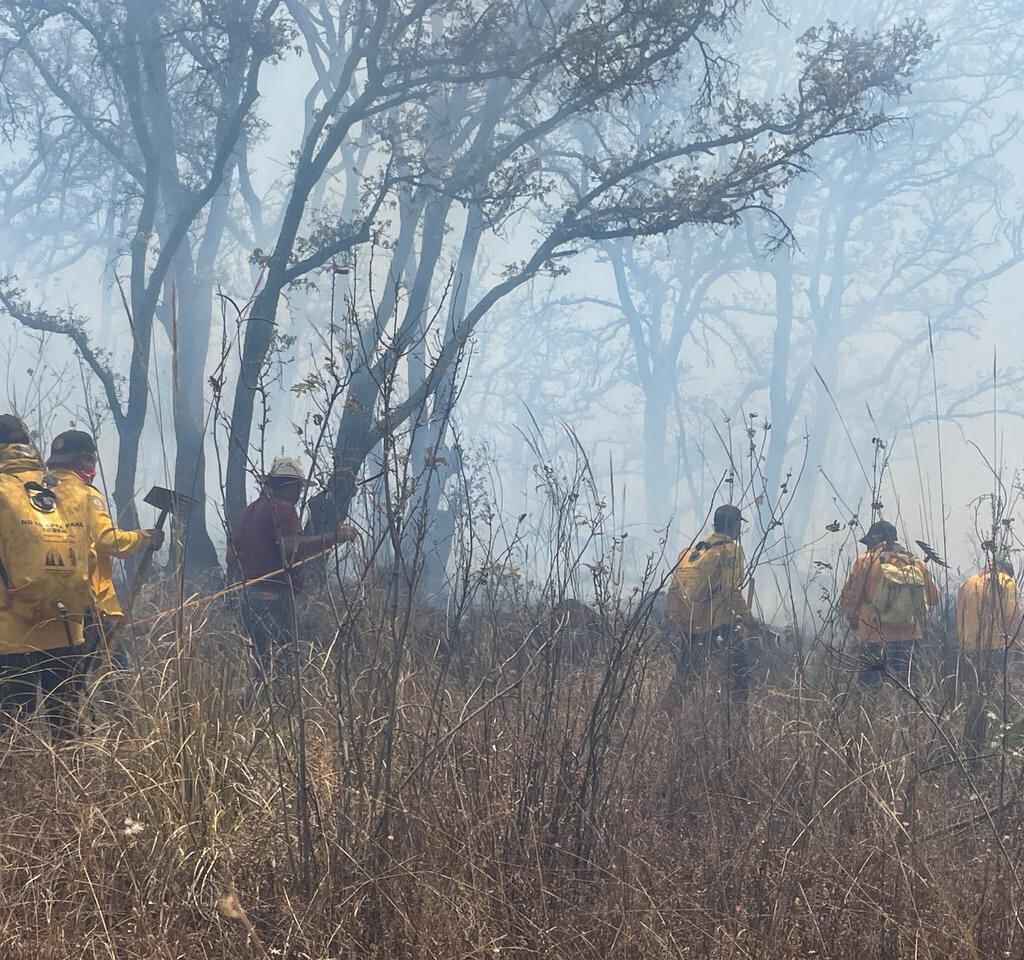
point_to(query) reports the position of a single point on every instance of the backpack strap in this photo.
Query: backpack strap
(873, 563)
(698, 548)
(902, 556)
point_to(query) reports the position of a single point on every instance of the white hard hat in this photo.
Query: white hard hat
(287, 467)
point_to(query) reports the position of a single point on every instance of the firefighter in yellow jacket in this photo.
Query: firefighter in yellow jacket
(72, 467)
(44, 592)
(885, 601)
(988, 614)
(988, 621)
(705, 602)
(52, 537)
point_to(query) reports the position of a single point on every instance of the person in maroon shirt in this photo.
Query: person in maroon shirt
(266, 550)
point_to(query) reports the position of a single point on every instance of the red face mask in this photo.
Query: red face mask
(84, 472)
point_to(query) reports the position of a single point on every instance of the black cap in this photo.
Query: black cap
(72, 446)
(727, 516)
(881, 531)
(13, 430)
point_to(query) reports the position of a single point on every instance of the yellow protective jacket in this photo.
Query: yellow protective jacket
(705, 592)
(856, 599)
(107, 538)
(18, 634)
(988, 614)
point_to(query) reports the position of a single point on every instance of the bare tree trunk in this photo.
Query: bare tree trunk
(354, 440)
(430, 526)
(782, 404)
(130, 433)
(825, 361)
(259, 334)
(192, 344)
(107, 279)
(261, 325)
(659, 475)
(822, 424)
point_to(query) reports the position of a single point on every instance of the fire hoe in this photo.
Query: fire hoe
(166, 501)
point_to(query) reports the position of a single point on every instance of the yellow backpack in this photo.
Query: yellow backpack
(44, 549)
(899, 597)
(694, 583)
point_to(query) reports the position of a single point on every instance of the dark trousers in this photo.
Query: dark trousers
(53, 679)
(268, 618)
(895, 658)
(695, 651)
(980, 674)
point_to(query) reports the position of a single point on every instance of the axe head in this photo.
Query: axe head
(169, 500)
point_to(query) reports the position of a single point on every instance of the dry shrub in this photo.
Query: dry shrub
(498, 777)
(535, 806)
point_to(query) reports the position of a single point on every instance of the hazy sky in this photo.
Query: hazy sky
(608, 427)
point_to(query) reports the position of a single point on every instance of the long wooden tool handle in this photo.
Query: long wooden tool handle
(143, 571)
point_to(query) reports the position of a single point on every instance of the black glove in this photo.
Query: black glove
(156, 538)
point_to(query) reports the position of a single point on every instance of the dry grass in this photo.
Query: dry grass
(520, 806)
(500, 779)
